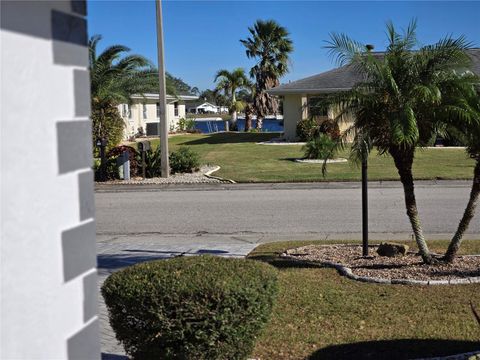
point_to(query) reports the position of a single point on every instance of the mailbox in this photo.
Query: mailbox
(101, 142)
(143, 146)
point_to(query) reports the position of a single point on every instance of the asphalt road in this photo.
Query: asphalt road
(266, 212)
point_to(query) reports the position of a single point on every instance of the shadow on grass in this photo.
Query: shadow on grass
(231, 138)
(283, 263)
(395, 349)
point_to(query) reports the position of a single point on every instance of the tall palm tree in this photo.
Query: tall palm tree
(247, 95)
(270, 45)
(230, 82)
(467, 106)
(114, 77)
(395, 108)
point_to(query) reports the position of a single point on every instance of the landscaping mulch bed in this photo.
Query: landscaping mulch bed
(408, 267)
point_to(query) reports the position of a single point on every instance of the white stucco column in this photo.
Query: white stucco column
(294, 110)
(48, 292)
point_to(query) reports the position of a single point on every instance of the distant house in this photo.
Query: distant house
(298, 96)
(205, 108)
(142, 115)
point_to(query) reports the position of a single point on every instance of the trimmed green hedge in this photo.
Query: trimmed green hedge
(201, 307)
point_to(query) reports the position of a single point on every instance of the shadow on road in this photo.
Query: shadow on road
(106, 356)
(106, 263)
(395, 349)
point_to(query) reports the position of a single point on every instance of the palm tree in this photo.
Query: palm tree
(467, 106)
(270, 45)
(395, 108)
(230, 82)
(114, 77)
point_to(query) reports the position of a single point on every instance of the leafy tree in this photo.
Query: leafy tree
(230, 82)
(114, 77)
(270, 45)
(398, 105)
(176, 86)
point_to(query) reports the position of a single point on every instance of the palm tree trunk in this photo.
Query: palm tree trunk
(259, 122)
(248, 118)
(403, 159)
(467, 216)
(233, 121)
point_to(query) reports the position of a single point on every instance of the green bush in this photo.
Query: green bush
(153, 162)
(201, 307)
(307, 129)
(184, 160)
(187, 125)
(320, 147)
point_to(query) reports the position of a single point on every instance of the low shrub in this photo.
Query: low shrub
(307, 129)
(111, 168)
(184, 160)
(115, 152)
(201, 307)
(186, 125)
(153, 162)
(320, 147)
(312, 127)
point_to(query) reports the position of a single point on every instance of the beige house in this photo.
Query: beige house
(297, 95)
(143, 113)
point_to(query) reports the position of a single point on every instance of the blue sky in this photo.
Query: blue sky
(203, 36)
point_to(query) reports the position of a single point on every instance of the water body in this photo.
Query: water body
(210, 126)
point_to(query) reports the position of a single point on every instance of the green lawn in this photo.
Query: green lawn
(322, 315)
(242, 160)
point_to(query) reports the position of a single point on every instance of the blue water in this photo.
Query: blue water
(269, 125)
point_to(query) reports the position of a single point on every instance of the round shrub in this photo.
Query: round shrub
(201, 307)
(132, 156)
(184, 160)
(307, 129)
(320, 147)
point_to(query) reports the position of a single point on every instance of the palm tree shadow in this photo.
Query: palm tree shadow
(396, 349)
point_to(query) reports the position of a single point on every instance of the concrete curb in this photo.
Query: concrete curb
(347, 272)
(464, 356)
(321, 161)
(208, 174)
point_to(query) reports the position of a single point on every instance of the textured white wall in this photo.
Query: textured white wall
(48, 275)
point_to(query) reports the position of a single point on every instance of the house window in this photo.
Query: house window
(144, 111)
(124, 110)
(315, 107)
(175, 108)
(158, 110)
(129, 112)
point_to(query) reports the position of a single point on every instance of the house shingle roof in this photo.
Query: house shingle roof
(341, 78)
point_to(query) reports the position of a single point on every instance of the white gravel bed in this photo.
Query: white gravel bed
(321, 161)
(200, 177)
(408, 269)
(279, 142)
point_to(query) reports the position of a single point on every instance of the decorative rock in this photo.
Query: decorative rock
(392, 249)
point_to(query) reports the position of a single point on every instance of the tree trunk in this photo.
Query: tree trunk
(403, 159)
(248, 118)
(259, 122)
(233, 121)
(467, 216)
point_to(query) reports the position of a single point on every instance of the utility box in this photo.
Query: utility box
(123, 163)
